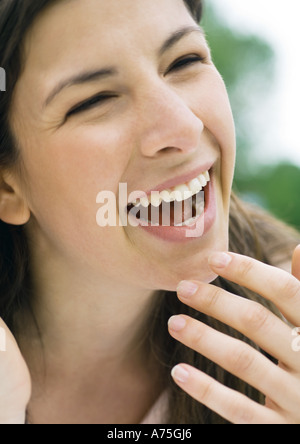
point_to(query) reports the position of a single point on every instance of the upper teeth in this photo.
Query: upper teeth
(178, 193)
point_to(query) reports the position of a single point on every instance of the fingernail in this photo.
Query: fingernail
(177, 323)
(180, 374)
(187, 289)
(220, 260)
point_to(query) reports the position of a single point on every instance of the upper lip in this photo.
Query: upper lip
(179, 180)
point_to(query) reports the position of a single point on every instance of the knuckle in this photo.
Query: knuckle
(207, 392)
(290, 288)
(255, 316)
(197, 338)
(211, 298)
(242, 360)
(240, 414)
(244, 268)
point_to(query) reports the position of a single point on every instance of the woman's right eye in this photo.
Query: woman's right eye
(93, 102)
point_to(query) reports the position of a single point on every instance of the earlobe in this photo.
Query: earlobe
(13, 207)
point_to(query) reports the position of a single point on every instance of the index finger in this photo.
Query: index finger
(296, 263)
(274, 284)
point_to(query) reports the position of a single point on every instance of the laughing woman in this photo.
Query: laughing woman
(133, 323)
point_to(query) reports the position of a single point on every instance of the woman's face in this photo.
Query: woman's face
(159, 113)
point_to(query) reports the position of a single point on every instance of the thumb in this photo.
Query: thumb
(296, 263)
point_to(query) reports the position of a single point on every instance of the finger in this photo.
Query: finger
(237, 358)
(248, 317)
(15, 384)
(272, 283)
(296, 263)
(229, 404)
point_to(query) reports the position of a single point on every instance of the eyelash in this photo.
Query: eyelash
(185, 62)
(91, 103)
(101, 98)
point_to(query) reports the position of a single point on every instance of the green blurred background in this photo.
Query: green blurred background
(247, 63)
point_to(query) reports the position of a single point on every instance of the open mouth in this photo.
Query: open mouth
(180, 206)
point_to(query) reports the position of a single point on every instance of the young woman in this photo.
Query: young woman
(132, 323)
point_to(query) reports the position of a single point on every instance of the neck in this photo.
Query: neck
(88, 345)
(86, 322)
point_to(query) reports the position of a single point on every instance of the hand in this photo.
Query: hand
(280, 384)
(15, 383)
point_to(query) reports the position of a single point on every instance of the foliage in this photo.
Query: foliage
(276, 188)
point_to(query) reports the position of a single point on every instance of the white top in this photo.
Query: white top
(158, 413)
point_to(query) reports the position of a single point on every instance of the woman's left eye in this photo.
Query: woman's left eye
(185, 62)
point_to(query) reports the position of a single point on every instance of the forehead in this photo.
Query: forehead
(74, 32)
(70, 36)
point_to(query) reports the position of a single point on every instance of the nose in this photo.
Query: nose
(167, 123)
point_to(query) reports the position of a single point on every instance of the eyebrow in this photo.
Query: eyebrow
(91, 76)
(78, 79)
(178, 35)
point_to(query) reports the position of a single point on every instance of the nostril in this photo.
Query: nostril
(169, 149)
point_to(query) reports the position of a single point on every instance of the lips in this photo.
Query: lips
(174, 182)
(177, 206)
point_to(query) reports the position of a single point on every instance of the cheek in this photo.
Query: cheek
(217, 114)
(218, 119)
(65, 177)
(74, 167)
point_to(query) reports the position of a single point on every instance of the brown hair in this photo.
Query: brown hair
(252, 233)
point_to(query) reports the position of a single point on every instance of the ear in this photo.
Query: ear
(13, 207)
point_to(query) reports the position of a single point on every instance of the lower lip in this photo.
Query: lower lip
(200, 228)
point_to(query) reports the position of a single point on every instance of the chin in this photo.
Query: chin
(195, 267)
